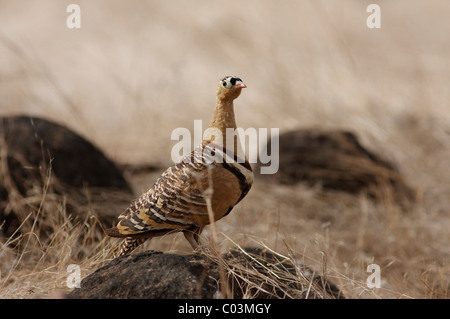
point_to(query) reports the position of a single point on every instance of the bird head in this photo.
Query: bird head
(229, 88)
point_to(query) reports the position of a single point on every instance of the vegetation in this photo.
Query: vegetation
(133, 73)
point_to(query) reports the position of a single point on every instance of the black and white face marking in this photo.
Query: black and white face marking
(230, 81)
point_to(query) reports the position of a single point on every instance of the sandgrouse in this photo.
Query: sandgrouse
(177, 201)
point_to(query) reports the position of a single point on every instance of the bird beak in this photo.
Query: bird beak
(241, 85)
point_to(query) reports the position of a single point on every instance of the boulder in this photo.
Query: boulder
(249, 273)
(337, 161)
(36, 142)
(39, 157)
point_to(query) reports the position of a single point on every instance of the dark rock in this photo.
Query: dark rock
(74, 160)
(253, 273)
(337, 161)
(39, 157)
(151, 275)
(274, 276)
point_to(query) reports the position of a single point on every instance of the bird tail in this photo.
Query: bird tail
(130, 244)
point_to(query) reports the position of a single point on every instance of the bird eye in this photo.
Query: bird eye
(227, 83)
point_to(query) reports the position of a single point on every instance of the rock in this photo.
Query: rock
(150, 275)
(74, 160)
(39, 157)
(274, 276)
(157, 275)
(337, 161)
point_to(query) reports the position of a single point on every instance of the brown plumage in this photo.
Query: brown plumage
(177, 200)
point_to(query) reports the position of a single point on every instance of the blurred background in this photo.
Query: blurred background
(136, 70)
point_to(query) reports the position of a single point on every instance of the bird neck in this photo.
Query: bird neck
(222, 118)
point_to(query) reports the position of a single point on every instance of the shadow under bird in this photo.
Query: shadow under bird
(179, 199)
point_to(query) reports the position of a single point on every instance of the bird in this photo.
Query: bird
(210, 178)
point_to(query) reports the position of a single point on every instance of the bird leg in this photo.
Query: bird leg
(192, 236)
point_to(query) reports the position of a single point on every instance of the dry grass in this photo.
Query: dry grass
(132, 74)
